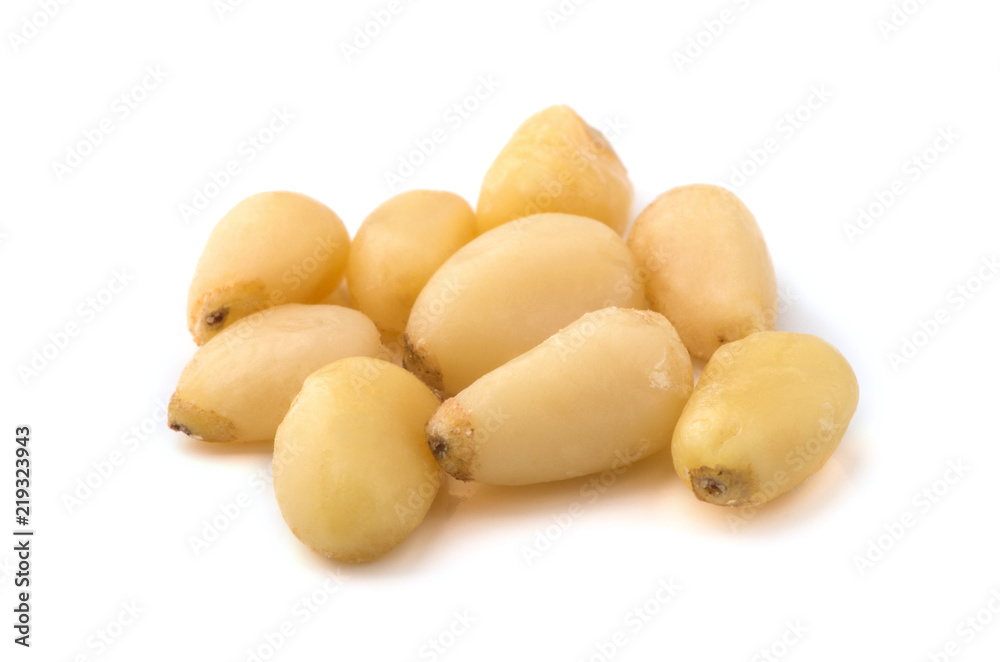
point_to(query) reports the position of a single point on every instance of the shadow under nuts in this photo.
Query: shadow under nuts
(529, 314)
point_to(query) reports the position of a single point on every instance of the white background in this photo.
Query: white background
(739, 583)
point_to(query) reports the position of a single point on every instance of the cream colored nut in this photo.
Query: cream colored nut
(399, 246)
(270, 249)
(556, 162)
(602, 393)
(708, 268)
(352, 473)
(339, 297)
(239, 384)
(511, 288)
(767, 413)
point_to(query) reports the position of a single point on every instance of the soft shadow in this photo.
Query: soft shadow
(211, 449)
(818, 494)
(461, 505)
(401, 560)
(639, 481)
(651, 480)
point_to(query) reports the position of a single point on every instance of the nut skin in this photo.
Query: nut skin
(352, 474)
(421, 364)
(398, 248)
(511, 288)
(721, 486)
(708, 268)
(556, 162)
(452, 422)
(600, 394)
(272, 248)
(238, 385)
(768, 411)
(217, 309)
(204, 425)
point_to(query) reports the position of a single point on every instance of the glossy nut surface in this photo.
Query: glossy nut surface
(511, 288)
(767, 413)
(398, 248)
(270, 249)
(708, 269)
(602, 393)
(352, 473)
(239, 384)
(556, 162)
